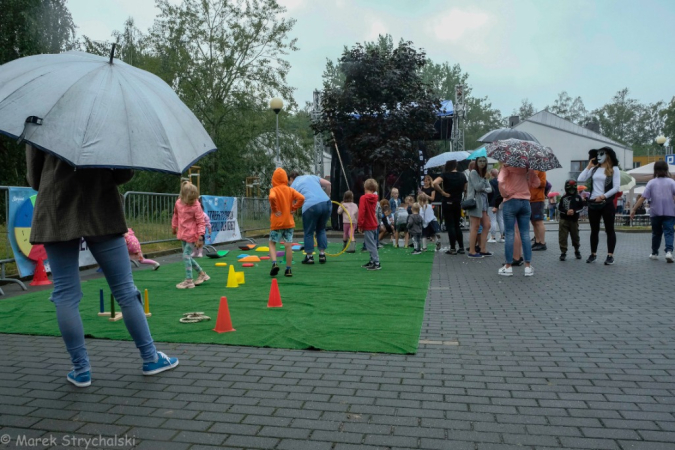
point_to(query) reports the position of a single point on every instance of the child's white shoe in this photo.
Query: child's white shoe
(505, 272)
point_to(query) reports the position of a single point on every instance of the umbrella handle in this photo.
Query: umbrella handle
(112, 52)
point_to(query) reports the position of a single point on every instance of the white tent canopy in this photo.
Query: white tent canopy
(645, 173)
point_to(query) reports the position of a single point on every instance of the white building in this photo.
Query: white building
(570, 143)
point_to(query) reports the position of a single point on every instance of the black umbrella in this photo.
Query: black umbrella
(502, 134)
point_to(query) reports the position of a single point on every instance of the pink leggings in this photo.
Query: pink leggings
(348, 232)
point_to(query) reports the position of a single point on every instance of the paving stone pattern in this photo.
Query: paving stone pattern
(578, 356)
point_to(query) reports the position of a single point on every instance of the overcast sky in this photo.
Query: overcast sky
(512, 49)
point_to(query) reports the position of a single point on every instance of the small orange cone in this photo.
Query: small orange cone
(40, 275)
(275, 296)
(223, 323)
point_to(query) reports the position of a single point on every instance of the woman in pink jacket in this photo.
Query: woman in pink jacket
(188, 226)
(514, 187)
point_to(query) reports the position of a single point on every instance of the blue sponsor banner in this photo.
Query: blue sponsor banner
(222, 212)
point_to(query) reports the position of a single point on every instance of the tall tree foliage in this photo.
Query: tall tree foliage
(225, 59)
(525, 110)
(569, 108)
(382, 108)
(29, 27)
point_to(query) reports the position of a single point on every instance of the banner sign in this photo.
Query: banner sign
(21, 205)
(222, 212)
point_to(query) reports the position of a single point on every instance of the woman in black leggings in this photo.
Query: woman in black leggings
(451, 185)
(603, 175)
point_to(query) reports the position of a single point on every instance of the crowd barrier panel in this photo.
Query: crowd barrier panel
(6, 254)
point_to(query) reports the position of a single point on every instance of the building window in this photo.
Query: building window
(636, 164)
(576, 168)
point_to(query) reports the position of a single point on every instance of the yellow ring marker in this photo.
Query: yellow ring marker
(221, 264)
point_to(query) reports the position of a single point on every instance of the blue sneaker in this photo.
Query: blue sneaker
(81, 380)
(163, 363)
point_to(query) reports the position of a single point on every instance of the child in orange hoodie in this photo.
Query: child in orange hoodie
(284, 200)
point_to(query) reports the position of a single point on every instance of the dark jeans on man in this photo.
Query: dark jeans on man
(314, 220)
(565, 228)
(452, 214)
(662, 225)
(607, 216)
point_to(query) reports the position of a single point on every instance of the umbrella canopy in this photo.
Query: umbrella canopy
(480, 153)
(502, 134)
(645, 173)
(440, 160)
(517, 153)
(553, 194)
(627, 181)
(94, 112)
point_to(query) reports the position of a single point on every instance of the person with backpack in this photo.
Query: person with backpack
(603, 181)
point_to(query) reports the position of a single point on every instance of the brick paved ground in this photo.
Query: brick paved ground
(579, 356)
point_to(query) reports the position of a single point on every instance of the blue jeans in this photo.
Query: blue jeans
(112, 255)
(314, 219)
(517, 209)
(662, 225)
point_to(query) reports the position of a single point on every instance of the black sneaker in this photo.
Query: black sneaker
(375, 266)
(274, 271)
(486, 253)
(452, 251)
(563, 256)
(363, 249)
(322, 258)
(538, 247)
(365, 266)
(460, 251)
(520, 262)
(309, 259)
(609, 261)
(591, 259)
(416, 252)
(577, 254)
(288, 272)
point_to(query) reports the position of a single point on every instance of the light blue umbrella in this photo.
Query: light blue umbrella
(440, 160)
(93, 111)
(481, 152)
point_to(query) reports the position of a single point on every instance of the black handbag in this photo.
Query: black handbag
(596, 206)
(469, 204)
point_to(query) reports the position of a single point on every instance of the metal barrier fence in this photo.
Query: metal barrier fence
(149, 214)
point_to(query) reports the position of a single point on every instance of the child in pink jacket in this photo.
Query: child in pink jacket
(134, 248)
(188, 226)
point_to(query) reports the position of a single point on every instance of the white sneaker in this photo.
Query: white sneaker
(529, 271)
(669, 257)
(492, 241)
(653, 256)
(501, 240)
(505, 272)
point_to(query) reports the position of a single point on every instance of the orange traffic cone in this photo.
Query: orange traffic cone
(223, 323)
(275, 296)
(40, 275)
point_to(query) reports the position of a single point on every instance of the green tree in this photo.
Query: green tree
(29, 27)
(525, 110)
(225, 59)
(383, 107)
(668, 114)
(617, 119)
(569, 108)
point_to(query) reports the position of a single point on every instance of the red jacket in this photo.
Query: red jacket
(367, 212)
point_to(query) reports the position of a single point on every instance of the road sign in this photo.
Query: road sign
(670, 159)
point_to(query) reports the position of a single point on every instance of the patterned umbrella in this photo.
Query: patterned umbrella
(517, 153)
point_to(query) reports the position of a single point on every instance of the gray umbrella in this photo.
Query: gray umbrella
(501, 134)
(95, 112)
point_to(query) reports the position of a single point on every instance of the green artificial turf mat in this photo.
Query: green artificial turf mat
(334, 306)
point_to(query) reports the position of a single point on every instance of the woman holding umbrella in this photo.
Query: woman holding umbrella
(520, 159)
(72, 204)
(602, 173)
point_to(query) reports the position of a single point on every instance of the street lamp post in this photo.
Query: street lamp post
(276, 104)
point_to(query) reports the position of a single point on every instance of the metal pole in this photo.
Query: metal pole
(278, 153)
